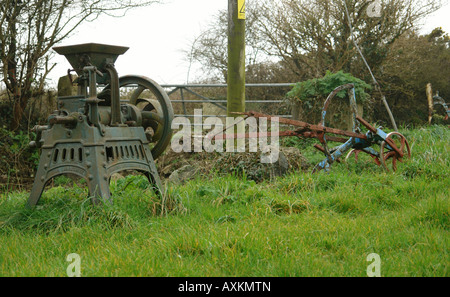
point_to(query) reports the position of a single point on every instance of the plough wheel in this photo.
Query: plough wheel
(356, 152)
(353, 152)
(387, 153)
(157, 109)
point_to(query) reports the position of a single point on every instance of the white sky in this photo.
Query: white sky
(158, 34)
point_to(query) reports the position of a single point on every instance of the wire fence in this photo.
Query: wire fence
(196, 98)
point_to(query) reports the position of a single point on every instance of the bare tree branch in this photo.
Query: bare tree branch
(29, 29)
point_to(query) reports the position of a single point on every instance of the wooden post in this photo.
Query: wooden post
(236, 57)
(430, 103)
(236, 73)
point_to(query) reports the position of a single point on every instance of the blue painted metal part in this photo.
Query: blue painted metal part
(376, 136)
(339, 152)
(440, 101)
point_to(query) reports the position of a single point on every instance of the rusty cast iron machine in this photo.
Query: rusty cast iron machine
(94, 134)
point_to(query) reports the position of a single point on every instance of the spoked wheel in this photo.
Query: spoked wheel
(156, 108)
(388, 153)
(369, 152)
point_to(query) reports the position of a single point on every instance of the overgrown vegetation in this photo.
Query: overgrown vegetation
(242, 224)
(310, 95)
(297, 225)
(320, 88)
(18, 162)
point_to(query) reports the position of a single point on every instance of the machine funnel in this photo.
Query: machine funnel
(87, 54)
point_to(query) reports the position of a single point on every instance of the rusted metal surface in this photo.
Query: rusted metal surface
(88, 54)
(389, 149)
(96, 135)
(393, 146)
(306, 127)
(68, 120)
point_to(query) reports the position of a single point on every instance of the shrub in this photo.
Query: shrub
(320, 88)
(308, 97)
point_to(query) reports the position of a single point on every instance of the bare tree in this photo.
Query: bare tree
(309, 37)
(313, 36)
(29, 29)
(210, 47)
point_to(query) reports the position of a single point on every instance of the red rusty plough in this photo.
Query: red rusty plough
(393, 146)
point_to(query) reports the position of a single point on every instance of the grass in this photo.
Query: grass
(296, 225)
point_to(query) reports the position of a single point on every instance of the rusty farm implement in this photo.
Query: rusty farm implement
(394, 147)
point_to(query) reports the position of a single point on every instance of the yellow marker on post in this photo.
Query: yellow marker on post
(241, 9)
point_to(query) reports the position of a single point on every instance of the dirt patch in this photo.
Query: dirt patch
(248, 164)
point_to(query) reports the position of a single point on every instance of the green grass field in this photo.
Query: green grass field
(296, 225)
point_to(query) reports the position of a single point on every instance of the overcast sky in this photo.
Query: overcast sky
(157, 36)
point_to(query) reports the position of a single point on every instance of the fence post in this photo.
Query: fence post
(236, 58)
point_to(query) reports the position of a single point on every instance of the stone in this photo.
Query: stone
(183, 174)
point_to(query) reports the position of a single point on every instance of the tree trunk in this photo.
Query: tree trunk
(20, 104)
